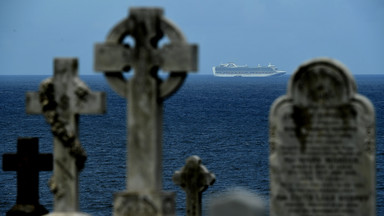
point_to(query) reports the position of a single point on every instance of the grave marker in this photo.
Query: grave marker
(236, 202)
(145, 92)
(194, 178)
(322, 145)
(27, 162)
(61, 99)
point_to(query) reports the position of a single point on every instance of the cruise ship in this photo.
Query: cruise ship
(233, 70)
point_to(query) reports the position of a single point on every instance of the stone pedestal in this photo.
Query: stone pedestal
(140, 204)
(27, 210)
(67, 214)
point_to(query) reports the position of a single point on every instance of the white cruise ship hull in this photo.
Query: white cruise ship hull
(233, 72)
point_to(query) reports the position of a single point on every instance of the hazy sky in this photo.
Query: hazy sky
(283, 32)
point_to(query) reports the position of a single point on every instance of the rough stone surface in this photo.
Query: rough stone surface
(145, 91)
(194, 178)
(27, 163)
(322, 145)
(61, 99)
(67, 214)
(139, 204)
(237, 202)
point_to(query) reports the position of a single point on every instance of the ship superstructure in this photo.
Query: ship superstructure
(233, 70)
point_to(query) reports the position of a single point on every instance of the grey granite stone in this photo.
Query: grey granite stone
(145, 92)
(235, 202)
(67, 214)
(194, 178)
(140, 204)
(322, 145)
(61, 99)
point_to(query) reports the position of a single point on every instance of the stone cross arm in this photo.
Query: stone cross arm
(172, 57)
(13, 162)
(27, 155)
(69, 90)
(194, 176)
(95, 105)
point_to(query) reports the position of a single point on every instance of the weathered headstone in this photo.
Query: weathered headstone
(322, 145)
(236, 202)
(194, 178)
(61, 99)
(145, 92)
(27, 162)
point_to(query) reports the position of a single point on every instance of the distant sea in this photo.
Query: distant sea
(222, 120)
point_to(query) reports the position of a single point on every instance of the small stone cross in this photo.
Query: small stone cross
(61, 99)
(27, 162)
(194, 179)
(145, 91)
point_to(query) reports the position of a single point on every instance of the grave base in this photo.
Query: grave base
(128, 203)
(67, 214)
(27, 210)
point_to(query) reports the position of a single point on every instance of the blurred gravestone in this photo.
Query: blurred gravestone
(236, 202)
(194, 178)
(27, 162)
(322, 145)
(61, 99)
(145, 92)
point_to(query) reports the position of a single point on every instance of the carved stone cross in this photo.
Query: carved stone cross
(27, 162)
(145, 91)
(61, 99)
(194, 179)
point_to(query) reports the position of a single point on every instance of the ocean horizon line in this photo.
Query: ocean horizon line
(192, 74)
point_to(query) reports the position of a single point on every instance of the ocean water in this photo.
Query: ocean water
(222, 120)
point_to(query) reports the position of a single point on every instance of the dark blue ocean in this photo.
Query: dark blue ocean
(222, 120)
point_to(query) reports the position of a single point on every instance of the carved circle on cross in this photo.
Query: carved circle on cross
(127, 27)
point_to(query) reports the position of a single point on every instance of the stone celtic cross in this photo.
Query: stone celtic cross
(61, 99)
(145, 91)
(194, 178)
(27, 162)
(322, 145)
